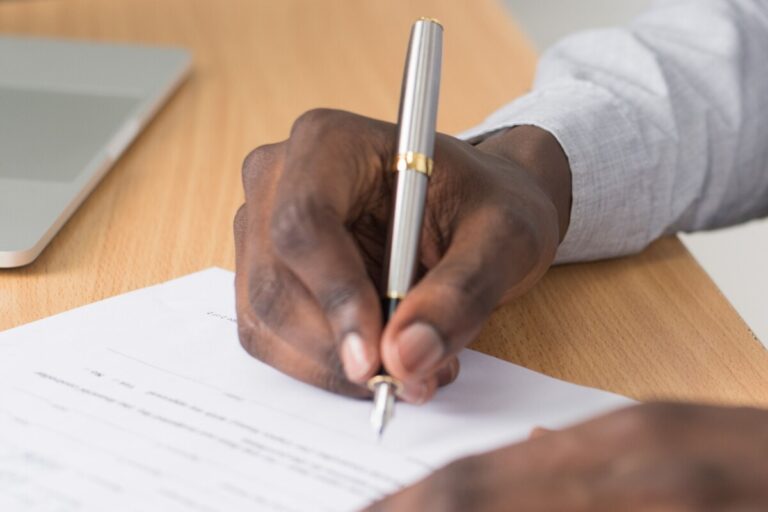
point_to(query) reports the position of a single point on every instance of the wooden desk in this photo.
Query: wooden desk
(649, 326)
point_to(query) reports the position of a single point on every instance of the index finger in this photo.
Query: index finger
(334, 167)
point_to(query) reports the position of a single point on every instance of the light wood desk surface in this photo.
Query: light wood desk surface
(652, 325)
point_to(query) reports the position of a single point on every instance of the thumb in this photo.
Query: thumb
(489, 256)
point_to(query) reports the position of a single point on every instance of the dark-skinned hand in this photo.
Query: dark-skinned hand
(310, 241)
(648, 458)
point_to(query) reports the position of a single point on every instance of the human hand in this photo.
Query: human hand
(656, 457)
(310, 241)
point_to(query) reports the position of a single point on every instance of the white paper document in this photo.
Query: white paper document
(146, 401)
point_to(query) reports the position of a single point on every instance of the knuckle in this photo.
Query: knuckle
(257, 162)
(253, 159)
(239, 222)
(340, 296)
(293, 227)
(288, 228)
(315, 119)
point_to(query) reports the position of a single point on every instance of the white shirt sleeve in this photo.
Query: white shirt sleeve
(664, 122)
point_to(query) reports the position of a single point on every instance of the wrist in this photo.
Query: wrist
(538, 152)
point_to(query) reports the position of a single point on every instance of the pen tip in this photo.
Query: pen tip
(383, 405)
(378, 428)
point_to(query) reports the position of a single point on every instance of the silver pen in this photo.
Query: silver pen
(413, 164)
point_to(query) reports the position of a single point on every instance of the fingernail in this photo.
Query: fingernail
(414, 393)
(420, 348)
(353, 355)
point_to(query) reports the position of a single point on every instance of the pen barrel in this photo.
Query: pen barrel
(417, 119)
(415, 148)
(405, 232)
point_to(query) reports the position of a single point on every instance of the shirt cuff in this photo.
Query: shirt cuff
(610, 201)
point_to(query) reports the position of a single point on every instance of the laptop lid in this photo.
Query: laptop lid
(67, 112)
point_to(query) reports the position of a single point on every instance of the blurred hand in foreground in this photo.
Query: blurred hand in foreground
(655, 457)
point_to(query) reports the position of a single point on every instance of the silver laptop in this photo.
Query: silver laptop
(68, 110)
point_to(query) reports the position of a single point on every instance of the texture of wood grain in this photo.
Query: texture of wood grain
(648, 326)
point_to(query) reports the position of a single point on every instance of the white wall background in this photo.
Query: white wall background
(546, 21)
(735, 258)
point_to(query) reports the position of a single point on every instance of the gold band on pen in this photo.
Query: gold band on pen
(384, 379)
(395, 295)
(412, 161)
